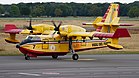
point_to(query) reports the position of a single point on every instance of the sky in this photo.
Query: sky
(77, 1)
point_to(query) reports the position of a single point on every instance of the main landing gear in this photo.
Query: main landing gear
(74, 55)
(54, 56)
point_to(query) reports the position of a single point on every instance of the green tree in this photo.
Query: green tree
(133, 12)
(58, 12)
(24, 9)
(94, 11)
(38, 10)
(1, 9)
(14, 10)
(68, 9)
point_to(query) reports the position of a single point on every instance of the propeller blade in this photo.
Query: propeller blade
(30, 23)
(54, 24)
(60, 24)
(56, 27)
(54, 33)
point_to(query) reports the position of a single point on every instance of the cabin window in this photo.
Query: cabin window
(100, 44)
(95, 44)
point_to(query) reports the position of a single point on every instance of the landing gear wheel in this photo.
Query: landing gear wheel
(75, 56)
(54, 56)
(27, 57)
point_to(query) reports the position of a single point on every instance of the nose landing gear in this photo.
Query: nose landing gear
(27, 57)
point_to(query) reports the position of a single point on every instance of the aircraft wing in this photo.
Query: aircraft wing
(103, 35)
(80, 34)
(13, 31)
(121, 32)
(26, 31)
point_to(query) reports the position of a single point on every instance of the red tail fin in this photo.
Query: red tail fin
(121, 32)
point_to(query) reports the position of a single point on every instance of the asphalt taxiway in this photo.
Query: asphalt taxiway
(88, 66)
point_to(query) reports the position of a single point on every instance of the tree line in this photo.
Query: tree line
(52, 9)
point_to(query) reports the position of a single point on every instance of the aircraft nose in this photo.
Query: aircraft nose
(17, 46)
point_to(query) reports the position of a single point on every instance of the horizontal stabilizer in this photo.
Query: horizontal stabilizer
(87, 23)
(126, 25)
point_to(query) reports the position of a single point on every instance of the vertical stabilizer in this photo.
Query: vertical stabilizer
(111, 13)
(109, 16)
(109, 22)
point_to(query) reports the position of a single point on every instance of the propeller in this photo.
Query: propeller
(30, 26)
(57, 26)
(71, 49)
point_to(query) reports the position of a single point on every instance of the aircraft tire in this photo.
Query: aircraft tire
(54, 56)
(27, 57)
(75, 57)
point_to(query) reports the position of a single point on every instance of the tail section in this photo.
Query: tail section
(107, 27)
(104, 24)
(109, 18)
(114, 37)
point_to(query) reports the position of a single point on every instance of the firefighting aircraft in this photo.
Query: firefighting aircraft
(63, 39)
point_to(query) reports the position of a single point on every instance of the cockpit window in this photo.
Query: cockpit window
(29, 37)
(33, 38)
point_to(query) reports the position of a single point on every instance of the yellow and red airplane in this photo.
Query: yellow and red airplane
(63, 39)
